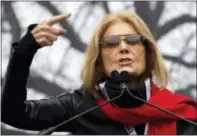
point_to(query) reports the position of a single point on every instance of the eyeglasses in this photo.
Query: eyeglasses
(115, 40)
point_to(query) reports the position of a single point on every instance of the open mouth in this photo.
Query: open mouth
(125, 61)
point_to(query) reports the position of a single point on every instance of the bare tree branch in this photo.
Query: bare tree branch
(74, 38)
(188, 88)
(3, 30)
(87, 16)
(81, 9)
(106, 7)
(62, 64)
(156, 14)
(90, 5)
(187, 91)
(144, 11)
(182, 52)
(170, 25)
(180, 61)
(128, 5)
(151, 18)
(12, 19)
(42, 85)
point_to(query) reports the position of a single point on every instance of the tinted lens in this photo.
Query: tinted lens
(111, 40)
(132, 38)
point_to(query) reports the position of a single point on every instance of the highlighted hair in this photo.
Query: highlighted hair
(93, 71)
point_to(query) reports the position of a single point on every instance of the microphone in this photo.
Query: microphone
(124, 78)
(50, 130)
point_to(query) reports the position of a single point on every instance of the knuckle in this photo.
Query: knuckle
(42, 33)
(45, 21)
(45, 42)
(42, 27)
(39, 42)
(52, 37)
(43, 39)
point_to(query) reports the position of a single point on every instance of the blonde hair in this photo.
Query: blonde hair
(93, 71)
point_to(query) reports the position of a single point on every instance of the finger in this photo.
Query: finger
(50, 43)
(47, 35)
(44, 41)
(49, 29)
(56, 31)
(58, 18)
(46, 28)
(62, 31)
(35, 30)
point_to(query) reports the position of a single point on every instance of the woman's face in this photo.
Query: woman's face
(123, 56)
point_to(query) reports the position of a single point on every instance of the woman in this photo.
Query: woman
(122, 42)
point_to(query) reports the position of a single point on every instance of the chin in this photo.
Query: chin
(129, 70)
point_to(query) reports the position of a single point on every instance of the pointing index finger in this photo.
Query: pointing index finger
(58, 18)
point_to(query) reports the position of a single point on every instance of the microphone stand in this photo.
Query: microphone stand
(50, 130)
(125, 87)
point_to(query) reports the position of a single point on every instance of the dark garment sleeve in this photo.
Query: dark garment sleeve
(185, 128)
(33, 114)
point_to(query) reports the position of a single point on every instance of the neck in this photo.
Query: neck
(136, 82)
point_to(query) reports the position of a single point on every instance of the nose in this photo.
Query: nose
(124, 48)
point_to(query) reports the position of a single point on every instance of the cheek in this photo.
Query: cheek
(107, 58)
(140, 57)
(142, 61)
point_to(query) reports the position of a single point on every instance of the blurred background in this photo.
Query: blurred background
(56, 69)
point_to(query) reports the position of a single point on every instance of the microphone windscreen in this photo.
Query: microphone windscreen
(125, 77)
(115, 76)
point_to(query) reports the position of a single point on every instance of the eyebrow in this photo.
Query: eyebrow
(121, 35)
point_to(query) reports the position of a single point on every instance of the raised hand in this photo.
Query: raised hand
(45, 34)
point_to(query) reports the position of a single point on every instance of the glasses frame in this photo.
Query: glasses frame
(122, 37)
